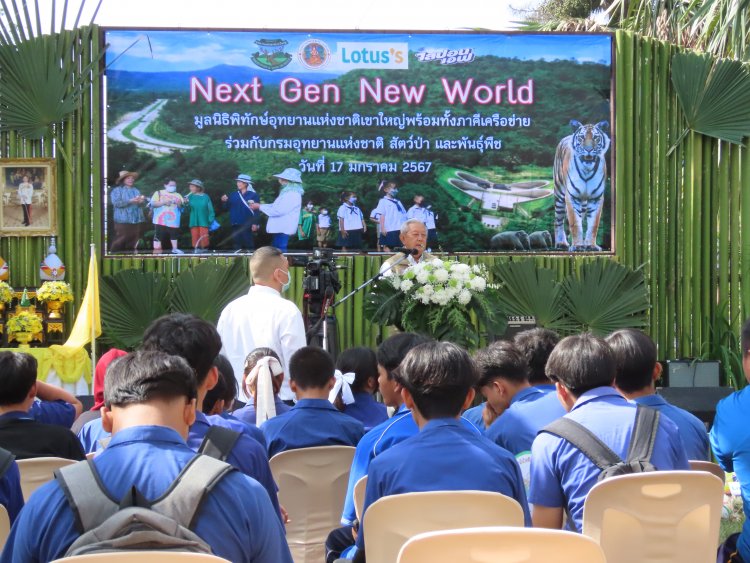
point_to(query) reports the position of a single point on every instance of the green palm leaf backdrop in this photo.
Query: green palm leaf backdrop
(684, 217)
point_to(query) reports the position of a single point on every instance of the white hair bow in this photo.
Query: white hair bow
(343, 383)
(261, 374)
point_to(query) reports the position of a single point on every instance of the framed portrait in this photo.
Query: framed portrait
(28, 197)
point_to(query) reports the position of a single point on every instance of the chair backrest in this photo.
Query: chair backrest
(498, 543)
(312, 488)
(710, 466)
(4, 526)
(146, 556)
(660, 516)
(359, 496)
(392, 520)
(35, 472)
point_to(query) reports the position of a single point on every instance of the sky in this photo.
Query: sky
(304, 14)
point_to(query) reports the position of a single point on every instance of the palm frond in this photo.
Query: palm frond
(130, 300)
(714, 95)
(206, 289)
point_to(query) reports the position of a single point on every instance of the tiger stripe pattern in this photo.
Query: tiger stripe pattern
(580, 174)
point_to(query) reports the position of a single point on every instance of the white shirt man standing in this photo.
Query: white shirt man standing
(263, 317)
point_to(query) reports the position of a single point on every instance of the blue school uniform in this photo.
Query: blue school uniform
(562, 476)
(530, 410)
(730, 441)
(310, 423)
(247, 413)
(367, 410)
(444, 456)
(236, 519)
(381, 438)
(53, 412)
(692, 430)
(474, 415)
(11, 496)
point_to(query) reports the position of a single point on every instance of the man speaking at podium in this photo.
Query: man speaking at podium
(413, 237)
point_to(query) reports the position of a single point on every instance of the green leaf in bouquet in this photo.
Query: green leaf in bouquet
(383, 304)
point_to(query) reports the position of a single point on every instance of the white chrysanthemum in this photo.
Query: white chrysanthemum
(478, 283)
(425, 299)
(428, 289)
(464, 296)
(423, 277)
(451, 292)
(441, 275)
(406, 285)
(476, 268)
(395, 281)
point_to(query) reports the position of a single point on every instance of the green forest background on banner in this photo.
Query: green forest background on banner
(680, 216)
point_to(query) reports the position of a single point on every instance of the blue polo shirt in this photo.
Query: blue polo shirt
(444, 456)
(730, 441)
(236, 519)
(310, 423)
(530, 410)
(11, 496)
(239, 212)
(53, 412)
(248, 454)
(692, 430)
(381, 438)
(229, 421)
(561, 475)
(367, 410)
(247, 413)
(474, 415)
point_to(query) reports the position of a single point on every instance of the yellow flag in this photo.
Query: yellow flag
(88, 320)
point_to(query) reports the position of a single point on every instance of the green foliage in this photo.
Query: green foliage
(724, 345)
(206, 289)
(42, 82)
(130, 300)
(714, 95)
(604, 296)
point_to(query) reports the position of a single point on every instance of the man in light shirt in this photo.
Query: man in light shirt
(263, 317)
(414, 236)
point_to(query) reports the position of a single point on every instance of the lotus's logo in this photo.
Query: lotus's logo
(270, 54)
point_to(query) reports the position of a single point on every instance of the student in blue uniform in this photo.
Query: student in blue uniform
(55, 405)
(438, 380)
(361, 364)
(262, 364)
(503, 381)
(637, 373)
(150, 404)
(11, 496)
(313, 421)
(352, 224)
(391, 214)
(583, 368)
(198, 342)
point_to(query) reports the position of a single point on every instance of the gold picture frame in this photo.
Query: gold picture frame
(28, 197)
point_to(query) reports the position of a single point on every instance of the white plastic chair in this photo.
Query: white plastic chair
(359, 496)
(659, 516)
(36, 471)
(312, 488)
(4, 526)
(144, 557)
(500, 544)
(710, 466)
(391, 521)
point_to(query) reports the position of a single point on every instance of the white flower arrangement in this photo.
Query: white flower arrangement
(441, 282)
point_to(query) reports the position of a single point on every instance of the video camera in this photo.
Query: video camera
(321, 279)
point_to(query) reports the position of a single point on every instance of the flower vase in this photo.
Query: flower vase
(23, 339)
(54, 309)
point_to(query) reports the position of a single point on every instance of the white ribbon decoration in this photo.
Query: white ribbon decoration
(343, 382)
(261, 374)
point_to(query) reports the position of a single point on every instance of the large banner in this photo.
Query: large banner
(498, 142)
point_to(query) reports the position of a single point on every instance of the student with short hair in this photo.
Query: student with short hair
(220, 399)
(361, 366)
(150, 405)
(54, 405)
(313, 421)
(637, 373)
(262, 371)
(438, 381)
(20, 433)
(583, 369)
(503, 381)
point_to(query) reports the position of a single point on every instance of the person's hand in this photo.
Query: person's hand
(284, 515)
(489, 415)
(255, 206)
(225, 197)
(254, 228)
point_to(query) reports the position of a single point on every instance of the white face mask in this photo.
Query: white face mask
(285, 287)
(170, 187)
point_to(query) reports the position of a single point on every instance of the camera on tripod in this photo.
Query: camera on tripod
(321, 278)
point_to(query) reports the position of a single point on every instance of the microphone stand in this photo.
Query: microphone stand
(374, 278)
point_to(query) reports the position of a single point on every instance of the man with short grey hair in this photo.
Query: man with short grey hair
(413, 236)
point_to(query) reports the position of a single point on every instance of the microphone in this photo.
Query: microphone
(407, 251)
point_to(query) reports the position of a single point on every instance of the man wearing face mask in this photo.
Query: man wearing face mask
(263, 317)
(167, 209)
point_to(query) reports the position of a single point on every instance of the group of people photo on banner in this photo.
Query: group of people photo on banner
(135, 216)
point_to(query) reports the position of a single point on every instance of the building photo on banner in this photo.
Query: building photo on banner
(27, 202)
(498, 142)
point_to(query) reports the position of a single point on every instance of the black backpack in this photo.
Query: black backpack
(6, 460)
(641, 446)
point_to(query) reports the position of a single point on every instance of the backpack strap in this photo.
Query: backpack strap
(6, 460)
(184, 498)
(585, 440)
(644, 434)
(86, 495)
(218, 442)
